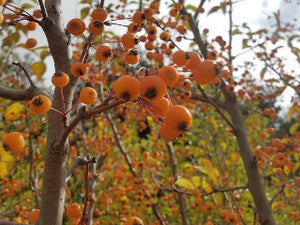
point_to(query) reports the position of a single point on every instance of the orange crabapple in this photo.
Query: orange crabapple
(180, 57)
(76, 26)
(73, 210)
(127, 87)
(178, 118)
(14, 142)
(40, 104)
(88, 95)
(169, 75)
(153, 88)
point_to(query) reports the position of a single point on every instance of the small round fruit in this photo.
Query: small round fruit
(99, 14)
(1, 17)
(73, 210)
(178, 118)
(76, 26)
(134, 221)
(96, 27)
(88, 95)
(127, 87)
(79, 69)
(153, 88)
(181, 57)
(31, 25)
(60, 79)
(31, 43)
(104, 53)
(205, 72)
(161, 106)
(34, 216)
(132, 57)
(169, 74)
(37, 14)
(14, 142)
(194, 61)
(40, 104)
(129, 40)
(2, 2)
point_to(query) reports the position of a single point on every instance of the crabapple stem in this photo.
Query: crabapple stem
(63, 99)
(56, 110)
(73, 107)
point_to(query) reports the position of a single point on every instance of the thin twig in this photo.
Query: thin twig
(43, 9)
(26, 73)
(79, 161)
(217, 108)
(277, 194)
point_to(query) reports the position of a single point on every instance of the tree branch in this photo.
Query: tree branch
(21, 95)
(26, 73)
(10, 223)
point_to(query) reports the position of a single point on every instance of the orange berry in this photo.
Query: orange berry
(181, 29)
(1, 17)
(180, 57)
(96, 27)
(88, 95)
(149, 45)
(151, 29)
(134, 221)
(161, 106)
(104, 53)
(225, 74)
(2, 2)
(99, 14)
(178, 118)
(205, 72)
(212, 55)
(14, 142)
(31, 25)
(37, 14)
(153, 88)
(79, 69)
(169, 74)
(76, 26)
(138, 17)
(131, 57)
(133, 28)
(129, 40)
(173, 12)
(60, 79)
(31, 43)
(40, 104)
(177, 6)
(127, 87)
(34, 216)
(194, 61)
(168, 134)
(148, 14)
(165, 36)
(73, 210)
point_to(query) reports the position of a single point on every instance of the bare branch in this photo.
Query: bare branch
(10, 223)
(277, 194)
(79, 161)
(21, 95)
(43, 9)
(26, 73)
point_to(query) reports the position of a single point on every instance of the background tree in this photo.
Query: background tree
(190, 139)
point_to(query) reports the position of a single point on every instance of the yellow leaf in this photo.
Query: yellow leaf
(286, 170)
(218, 198)
(6, 162)
(206, 163)
(292, 110)
(14, 112)
(196, 180)
(288, 192)
(296, 167)
(294, 128)
(213, 173)
(183, 182)
(206, 186)
(38, 69)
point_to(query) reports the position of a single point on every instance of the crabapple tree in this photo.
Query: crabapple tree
(147, 118)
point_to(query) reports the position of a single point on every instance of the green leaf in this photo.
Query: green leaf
(236, 31)
(191, 7)
(183, 182)
(84, 12)
(213, 10)
(26, 6)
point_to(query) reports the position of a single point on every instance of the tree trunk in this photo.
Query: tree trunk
(54, 184)
(255, 186)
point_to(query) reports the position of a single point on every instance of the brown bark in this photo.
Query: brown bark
(263, 206)
(54, 184)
